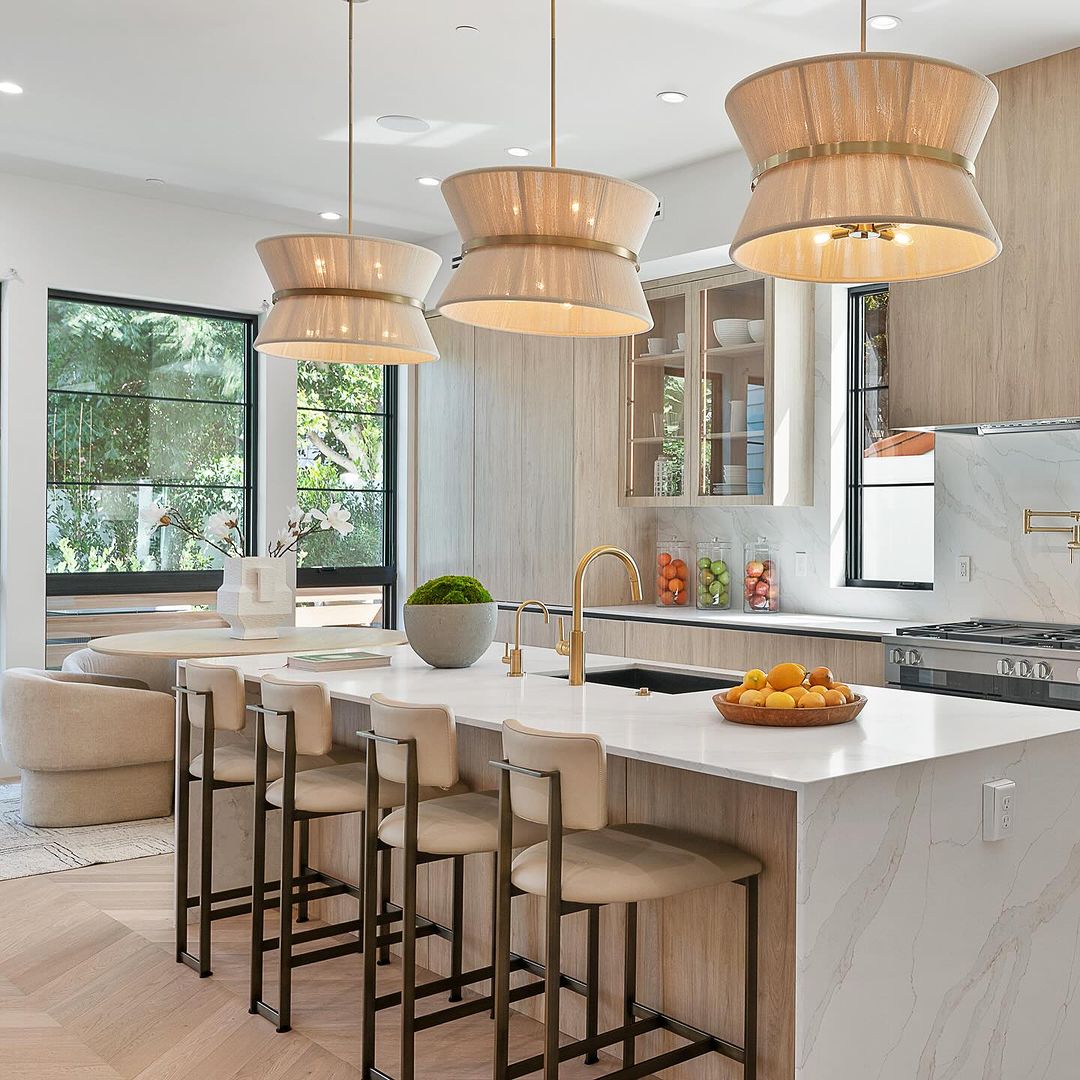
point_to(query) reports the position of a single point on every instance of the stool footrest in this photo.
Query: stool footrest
(687, 1031)
(299, 937)
(331, 952)
(583, 1046)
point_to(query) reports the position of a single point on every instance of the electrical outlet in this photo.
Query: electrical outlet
(963, 568)
(800, 564)
(999, 809)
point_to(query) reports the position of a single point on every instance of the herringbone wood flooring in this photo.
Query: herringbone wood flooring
(89, 990)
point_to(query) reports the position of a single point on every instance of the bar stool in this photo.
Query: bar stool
(560, 780)
(212, 700)
(294, 720)
(416, 746)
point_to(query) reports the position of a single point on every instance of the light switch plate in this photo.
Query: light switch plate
(999, 809)
(800, 564)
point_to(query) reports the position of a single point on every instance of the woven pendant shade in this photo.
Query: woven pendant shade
(843, 142)
(548, 251)
(325, 321)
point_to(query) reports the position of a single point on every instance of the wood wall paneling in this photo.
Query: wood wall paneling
(445, 454)
(996, 343)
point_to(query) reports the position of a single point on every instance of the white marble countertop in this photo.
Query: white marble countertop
(780, 622)
(685, 731)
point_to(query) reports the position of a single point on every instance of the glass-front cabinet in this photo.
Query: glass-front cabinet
(719, 394)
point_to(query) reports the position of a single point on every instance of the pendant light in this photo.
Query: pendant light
(548, 250)
(347, 299)
(863, 168)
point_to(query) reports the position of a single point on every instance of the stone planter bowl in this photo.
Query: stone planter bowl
(450, 635)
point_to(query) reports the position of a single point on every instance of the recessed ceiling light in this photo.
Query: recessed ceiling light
(10, 88)
(465, 28)
(396, 122)
(672, 97)
(330, 215)
(518, 151)
(429, 181)
(156, 180)
(884, 22)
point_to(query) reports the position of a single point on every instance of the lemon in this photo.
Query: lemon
(752, 697)
(779, 700)
(755, 678)
(784, 676)
(811, 701)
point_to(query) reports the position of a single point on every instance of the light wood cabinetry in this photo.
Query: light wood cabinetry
(998, 343)
(718, 395)
(517, 459)
(860, 662)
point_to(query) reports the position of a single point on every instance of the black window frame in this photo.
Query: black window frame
(176, 581)
(334, 577)
(854, 451)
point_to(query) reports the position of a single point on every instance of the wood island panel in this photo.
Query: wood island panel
(690, 958)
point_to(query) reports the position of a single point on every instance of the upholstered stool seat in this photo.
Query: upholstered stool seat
(341, 789)
(458, 825)
(235, 765)
(623, 864)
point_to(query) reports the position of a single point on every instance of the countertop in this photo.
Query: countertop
(685, 731)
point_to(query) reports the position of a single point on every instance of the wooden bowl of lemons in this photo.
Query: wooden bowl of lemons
(790, 696)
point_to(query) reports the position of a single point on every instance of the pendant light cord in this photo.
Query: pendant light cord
(349, 4)
(862, 27)
(553, 84)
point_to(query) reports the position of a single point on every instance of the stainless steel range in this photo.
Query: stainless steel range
(1033, 663)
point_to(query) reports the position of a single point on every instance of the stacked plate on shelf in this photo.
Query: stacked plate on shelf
(733, 480)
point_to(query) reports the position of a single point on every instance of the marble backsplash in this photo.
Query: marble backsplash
(983, 484)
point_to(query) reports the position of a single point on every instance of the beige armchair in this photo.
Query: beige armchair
(152, 672)
(91, 748)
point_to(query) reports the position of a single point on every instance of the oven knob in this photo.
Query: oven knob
(898, 656)
(1043, 670)
(1024, 669)
(1005, 667)
(915, 657)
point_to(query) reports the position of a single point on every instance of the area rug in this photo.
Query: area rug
(26, 851)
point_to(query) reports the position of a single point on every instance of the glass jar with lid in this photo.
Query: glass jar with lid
(713, 574)
(672, 573)
(761, 576)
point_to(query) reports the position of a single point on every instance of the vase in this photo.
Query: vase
(255, 598)
(450, 635)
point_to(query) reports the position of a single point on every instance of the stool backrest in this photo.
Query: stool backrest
(435, 731)
(310, 705)
(581, 762)
(225, 685)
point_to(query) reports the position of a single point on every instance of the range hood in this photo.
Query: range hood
(1007, 427)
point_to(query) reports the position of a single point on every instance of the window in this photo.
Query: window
(346, 433)
(890, 477)
(145, 403)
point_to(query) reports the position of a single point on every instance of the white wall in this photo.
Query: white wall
(66, 237)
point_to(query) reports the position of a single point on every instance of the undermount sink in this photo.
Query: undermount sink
(657, 680)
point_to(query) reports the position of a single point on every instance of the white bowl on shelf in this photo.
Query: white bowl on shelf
(756, 329)
(731, 332)
(656, 346)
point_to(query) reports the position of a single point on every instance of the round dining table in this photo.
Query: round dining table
(202, 642)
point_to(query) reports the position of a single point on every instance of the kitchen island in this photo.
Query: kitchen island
(896, 943)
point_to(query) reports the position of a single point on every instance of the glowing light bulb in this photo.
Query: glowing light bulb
(901, 238)
(822, 238)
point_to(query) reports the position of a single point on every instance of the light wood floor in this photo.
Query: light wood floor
(89, 990)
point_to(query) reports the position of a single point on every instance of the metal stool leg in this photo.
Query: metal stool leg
(501, 932)
(288, 808)
(457, 924)
(258, 870)
(629, 982)
(592, 979)
(305, 856)
(750, 1000)
(183, 795)
(206, 841)
(553, 942)
(385, 869)
(370, 864)
(408, 919)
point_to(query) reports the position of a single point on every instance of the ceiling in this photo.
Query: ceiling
(240, 105)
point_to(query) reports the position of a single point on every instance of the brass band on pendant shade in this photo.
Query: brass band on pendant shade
(347, 299)
(548, 251)
(863, 168)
